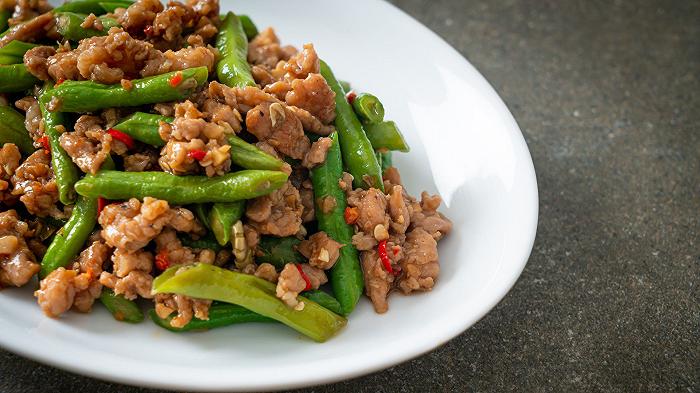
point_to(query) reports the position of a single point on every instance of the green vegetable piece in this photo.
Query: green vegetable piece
(249, 156)
(180, 190)
(143, 127)
(88, 96)
(248, 26)
(201, 243)
(67, 174)
(122, 309)
(324, 299)
(201, 210)
(387, 160)
(68, 25)
(5, 16)
(12, 130)
(13, 53)
(345, 85)
(346, 275)
(211, 282)
(279, 250)
(368, 108)
(222, 216)
(90, 6)
(356, 149)
(220, 315)
(111, 6)
(16, 78)
(70, 239)
(233, 68)
(386, 136)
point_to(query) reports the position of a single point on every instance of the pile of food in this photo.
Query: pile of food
(174, 154)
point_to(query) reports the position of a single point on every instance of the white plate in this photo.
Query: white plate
(465, 145)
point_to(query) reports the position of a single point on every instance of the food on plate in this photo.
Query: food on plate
(175, 156)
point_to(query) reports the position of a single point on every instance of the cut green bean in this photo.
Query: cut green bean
(220, 315)
(233, 68)
(12, 130)
(5, 16)
(249, 156)
(358, 155)
(222, 216)
(368, 108)
(248, 26)
(88, 96)
(387, 160)
(143, 127)
(13, 53)
(64, 169)
(201, 243)
(70, 239)
(69, 25)
(201, 210)
(386, 135)
(278, 251)
(97, 7)
(122, 309)
(111, 6)
(346, 275)
(324, 299)
(16, 78)
(345, 85)
(180, 190)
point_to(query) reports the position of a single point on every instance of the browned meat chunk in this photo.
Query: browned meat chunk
(125, 262)
(371, 205)
(427, 217)
(317, 153)
(17, 262)
(398, 210)
(306, 193)
(28, 9)
(9, 162)
(321, 251)
(267, 272)
(420, 265)
(278, 213)
(36, 60)
(35, 183)
(185, 306)
(30, 31)
(139, 162)
(291, 283)
(88, 150)
(170, 248)
(89, 265)
(137, 283)
(314, 95)
(180, 60)
(392, 177)
(364, 241)
(265, 49)
(303, 63)
(32, 119)
(310, 123)
(279, 127)
(378, 281)
(57, 292)
(139, 15)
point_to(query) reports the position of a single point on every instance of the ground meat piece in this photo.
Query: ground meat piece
(278, 89)
(291, 283)
(278, 213)
(185, 306)
(267, 272)
(32, 117)
(36, 61)
(398, 210)
(126, 262)
(180, 60)
(265, 49)
(89, 265)
(321, 251)
(165, 108)
(169, 246)
(30, 31)
(9, 162)
(371, 205)
(249, 97)
(25, 10)
(220, 106)
(279, 127)
(378, 282)
(311, 123)
(136, 283)
(92, 22)
(306, 193)
(345, 183)
(363, 241)
(303, 63)
(328, 203)
(392, 177)
(139, 15)
(420, 265)
(88, 150)
(35, 184)
(64, 64)
(57, 292)
(262, 76)
(314, 95)
(17, 262)
(140, 162)
(171, 22)
(317, 153)
(427, 217)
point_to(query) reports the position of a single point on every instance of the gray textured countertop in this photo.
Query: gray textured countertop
(607, 94)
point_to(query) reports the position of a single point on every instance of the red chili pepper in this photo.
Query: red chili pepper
(384, 256)
(176, 79)
(162, 261)
(351, 96)
(197, 154)
(148, 30)
(101, 203)
(351, 215)
(122, 137)
(58, 82)
(304, 276)
(396, 250)
(44, 140)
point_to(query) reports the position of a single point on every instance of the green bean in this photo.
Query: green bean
(64, 169)
(180, 190)
(324, 299)
(122, 309)
(16, 78)
(201, 210)
(368, 108)
(248, 26)
(12, 130)
(386, 135)
(5, 16)
(220, 315)
(69, 25)
(345, 85)
(70, 239)
(278, 251)
(356, 149)
(201, 243)
(222, 216)
(97, 7)
(13, 53)
(111, 6)
(346, 275)
(233, 68)
(143, 127)
(249, 156)
(88, 96)
(387, 161)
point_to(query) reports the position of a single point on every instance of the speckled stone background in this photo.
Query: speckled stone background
(607, 94)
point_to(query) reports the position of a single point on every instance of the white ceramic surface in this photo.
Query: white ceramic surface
(465, 145)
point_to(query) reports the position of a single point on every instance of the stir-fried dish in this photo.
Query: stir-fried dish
(171, 153)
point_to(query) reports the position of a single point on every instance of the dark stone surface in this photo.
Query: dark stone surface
(607, 94)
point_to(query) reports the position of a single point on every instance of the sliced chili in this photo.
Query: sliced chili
(304, 276)
(148, 30)
(101, 203)
(58, 82)
(122, 137)
(44, 140)
(176, 79)
(351, 215)
(197, 154)
(162, 261)
(381, 249)
(351, 96)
